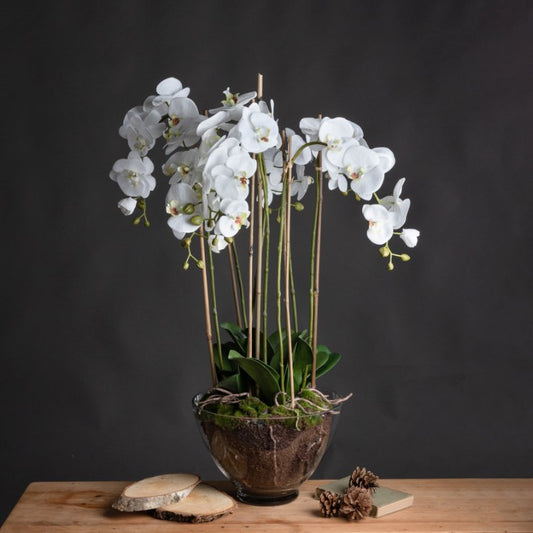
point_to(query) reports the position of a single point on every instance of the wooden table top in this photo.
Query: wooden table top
(440, 505)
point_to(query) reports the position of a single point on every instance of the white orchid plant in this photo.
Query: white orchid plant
(233, 168)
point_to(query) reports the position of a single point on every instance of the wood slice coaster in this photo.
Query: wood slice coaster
(203, 504)
(156, 491)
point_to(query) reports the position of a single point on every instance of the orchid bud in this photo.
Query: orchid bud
(146, 223)
(188, 209)
(298, 206)
(344, 193)
(186, 242)
(405, 257)
(200, 264)
(196, 220)
(137, 221)
(384, 251)
(391, 266)
(186, 265)
(357, 197)
(229, 240)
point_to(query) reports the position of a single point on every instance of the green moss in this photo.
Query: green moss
(314, 398)
(231, 415)
(253, 407)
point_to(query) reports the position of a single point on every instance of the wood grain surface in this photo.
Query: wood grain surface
(440, 505)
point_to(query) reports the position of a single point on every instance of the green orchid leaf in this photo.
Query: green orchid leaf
(302, 358)
(237, 334)
(266, 378)
(226, 365)
(234, 383)
(322, 356)
(333, 359)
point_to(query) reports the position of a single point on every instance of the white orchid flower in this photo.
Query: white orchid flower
(183, 120)
(231, 109)
(379, 223)
(168, 89)
(182, 203)
(231, 179)
(216, 156)
(396, 206)
(297, 142)
(217, 243)
(127, 205)
(361, 169)
(133, 175)
(335, 132)
(141, 129)
(183, 167)
(410, 237)
(273, 166)
(301, 182)
(256, 130)
(310, 127)
(235, 216)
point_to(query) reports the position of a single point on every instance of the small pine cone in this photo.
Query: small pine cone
(329, 504)
(356, 503)
(361, 477)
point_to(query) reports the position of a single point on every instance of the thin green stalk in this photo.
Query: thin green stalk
(238, 315)
(313, 253)
(293, 296)
(259, 266)
(281, 217)
(287, 256)
(239, 280)
(208, 332)
(251, 269)
(319, 186)
(266, 233)
(214, 300)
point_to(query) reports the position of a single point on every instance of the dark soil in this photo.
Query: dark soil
(266, 458)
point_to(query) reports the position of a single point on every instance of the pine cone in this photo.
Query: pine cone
(361, 477)
(356, 503)
(329, 504)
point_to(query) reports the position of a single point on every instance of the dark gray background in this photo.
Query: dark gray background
(103, 345)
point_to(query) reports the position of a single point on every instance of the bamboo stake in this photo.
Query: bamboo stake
(207, 314)
(251, 243)
(279, 260)
(234, 286)
(251, 269)
(259, 271)
(317, 269)
(287, 249)
(266, 223)
(215, 307)
(259, 86)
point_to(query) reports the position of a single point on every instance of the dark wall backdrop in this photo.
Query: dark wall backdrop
(103, 345)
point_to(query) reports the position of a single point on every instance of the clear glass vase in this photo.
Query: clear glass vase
(266, 458)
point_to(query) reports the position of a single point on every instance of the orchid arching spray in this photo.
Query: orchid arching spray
(234, 169)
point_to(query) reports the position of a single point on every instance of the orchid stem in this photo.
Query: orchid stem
(259, 271)
(251, 269)
(266, 231)
(240, 282)
(281, 215)
(287, 254)
(234, 287)
(207, 314)
(215, 309)
(317, 267)
(293, 296)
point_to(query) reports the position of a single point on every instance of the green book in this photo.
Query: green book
(384, 499)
